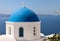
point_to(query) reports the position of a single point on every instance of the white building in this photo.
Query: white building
(23, 25)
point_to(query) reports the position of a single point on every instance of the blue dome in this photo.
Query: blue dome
(23, 15)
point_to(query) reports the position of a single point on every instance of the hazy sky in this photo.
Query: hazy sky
(38, 6)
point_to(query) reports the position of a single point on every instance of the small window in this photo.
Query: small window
(9, 30)
(34, 34)
(33, 27)
(33, 30)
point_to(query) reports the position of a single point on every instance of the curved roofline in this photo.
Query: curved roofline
(23, 15)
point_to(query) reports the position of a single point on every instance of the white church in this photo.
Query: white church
(23, 25)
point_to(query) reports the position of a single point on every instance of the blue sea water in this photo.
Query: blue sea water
(49, 24)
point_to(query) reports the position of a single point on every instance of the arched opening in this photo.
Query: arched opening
(21, 32)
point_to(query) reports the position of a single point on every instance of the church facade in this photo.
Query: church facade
(23, 25)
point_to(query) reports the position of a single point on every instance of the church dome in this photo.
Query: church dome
(23, 15)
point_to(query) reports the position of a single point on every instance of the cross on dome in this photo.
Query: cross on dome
(23, 4)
